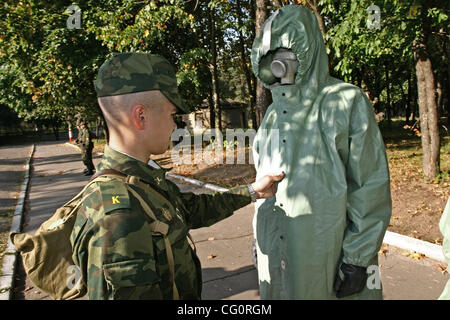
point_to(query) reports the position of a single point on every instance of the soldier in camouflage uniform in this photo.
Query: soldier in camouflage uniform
(84, 142)
(118, 254)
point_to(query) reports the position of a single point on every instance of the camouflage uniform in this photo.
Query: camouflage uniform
(112, 243)
(86, 145)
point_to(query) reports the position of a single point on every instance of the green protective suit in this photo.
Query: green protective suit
(444, 226)
(335, 203)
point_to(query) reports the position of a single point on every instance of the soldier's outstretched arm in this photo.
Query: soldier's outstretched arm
(206, 209)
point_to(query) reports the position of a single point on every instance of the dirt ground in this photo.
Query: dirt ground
(417, 205)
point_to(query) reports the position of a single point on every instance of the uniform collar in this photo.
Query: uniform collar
(129, 165)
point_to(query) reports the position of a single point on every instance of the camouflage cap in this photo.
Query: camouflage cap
(136, 72)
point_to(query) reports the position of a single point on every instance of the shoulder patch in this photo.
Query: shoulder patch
(114, 195)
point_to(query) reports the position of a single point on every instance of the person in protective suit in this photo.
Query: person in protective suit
(84, 142)
(319, 237)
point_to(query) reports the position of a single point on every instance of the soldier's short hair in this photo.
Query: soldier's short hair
(115, 107)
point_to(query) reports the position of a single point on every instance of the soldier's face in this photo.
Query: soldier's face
(162, 125)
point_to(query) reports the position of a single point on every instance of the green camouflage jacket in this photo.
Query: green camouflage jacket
(112, 243)
(85, 138)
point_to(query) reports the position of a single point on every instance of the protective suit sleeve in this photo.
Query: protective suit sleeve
(369, 204)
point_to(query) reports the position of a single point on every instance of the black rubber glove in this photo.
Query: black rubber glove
(352, 279)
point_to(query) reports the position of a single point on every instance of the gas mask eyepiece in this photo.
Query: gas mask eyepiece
(284, 65)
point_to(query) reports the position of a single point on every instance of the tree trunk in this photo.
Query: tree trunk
(244, 62)
(388, 94)
(316, 10)
(427, 102)
(439, 94)
(404, 99)
(253, 77)
(213, 70)
(408, 100)
(414, 100)
(55, 128)
(98, 122)
(212, 112)
(263, 95)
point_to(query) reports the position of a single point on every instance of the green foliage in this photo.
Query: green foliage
(47, 70)
(363, 55)
(194, 77)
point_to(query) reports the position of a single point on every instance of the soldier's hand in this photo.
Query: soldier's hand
(266, 186)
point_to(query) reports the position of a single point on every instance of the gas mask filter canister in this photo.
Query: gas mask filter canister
(284, 65)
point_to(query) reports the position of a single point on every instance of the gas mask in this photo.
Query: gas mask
(279, 67)
(284, 65)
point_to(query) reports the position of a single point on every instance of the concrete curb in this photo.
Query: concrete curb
(10, 258)
(197, 183)
(72, 145)
(429, 249)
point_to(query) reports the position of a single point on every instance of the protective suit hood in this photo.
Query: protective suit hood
(292, 27)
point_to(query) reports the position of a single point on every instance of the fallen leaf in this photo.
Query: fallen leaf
(413, 255)
(211, 239)
(28, 288)
(383, 251)
(406, 254)
(211, 256)
(442, 268)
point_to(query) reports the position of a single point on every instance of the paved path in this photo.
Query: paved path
(12, 163)
(230, 273)
(12, 166)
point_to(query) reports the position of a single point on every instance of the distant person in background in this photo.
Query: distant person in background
(84, 142)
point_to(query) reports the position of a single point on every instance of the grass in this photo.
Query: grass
(99, 145)
(405, 156)
(5, 223)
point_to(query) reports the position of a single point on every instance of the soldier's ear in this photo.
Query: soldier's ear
(138, 116)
